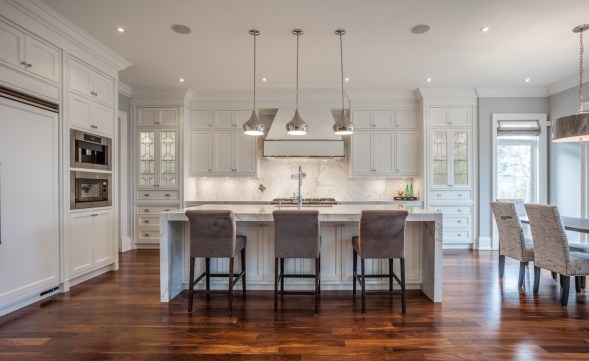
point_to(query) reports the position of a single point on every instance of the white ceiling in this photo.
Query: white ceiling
(528, 39)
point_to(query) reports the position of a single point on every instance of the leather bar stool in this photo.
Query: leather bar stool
(213, 235)
(296, 235)
(382, 236)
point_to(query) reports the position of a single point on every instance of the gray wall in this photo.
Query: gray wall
(124, 104)
(488, 106)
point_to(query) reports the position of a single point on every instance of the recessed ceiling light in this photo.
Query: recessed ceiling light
(429, 80)
(420, 29)
(120, 29)
(264, 80)
(484, 29)
(181, 29)
(181, 80)
(347, 79)
(528, 80)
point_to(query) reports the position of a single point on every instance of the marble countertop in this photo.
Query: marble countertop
(416, 203)
(336, 213)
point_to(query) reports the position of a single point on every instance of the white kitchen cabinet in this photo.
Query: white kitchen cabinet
(449, 116)
(218, 145)
(157, 159)
(91, 241)
(90, 115)
(29, 54)
(450, 158)
(406, 152)
(90, 83)
(157, 117)
(29, 202)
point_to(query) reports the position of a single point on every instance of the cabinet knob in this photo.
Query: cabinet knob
(459, 194)
(167, 210)
(146, 210)
(146, 221)
(459, 221)
(438, 195)
(167, 194)
(439, 210)
(460, 210)
(146, 234)
(146, 195)
(450, 185)
(94, 126)
(29, 65)
(397, 170)
(459, 234)
(93, 214)
(23, 63)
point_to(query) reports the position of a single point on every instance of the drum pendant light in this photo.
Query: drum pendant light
(254, 125)
(574, 128)
(297, 125)
(342, 126)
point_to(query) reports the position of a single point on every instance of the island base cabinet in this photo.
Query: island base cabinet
(91, 241)
(336, 259)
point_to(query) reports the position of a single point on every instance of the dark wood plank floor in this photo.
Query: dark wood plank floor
(118, 316)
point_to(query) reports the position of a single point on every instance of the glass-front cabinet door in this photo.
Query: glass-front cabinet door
(157, 158)
(450, 152)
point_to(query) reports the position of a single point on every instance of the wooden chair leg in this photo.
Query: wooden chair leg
(501, 265)
(390, 275)
(317, 268)
(276, 275)
(403, 296)
(230, 306)
(566, 282)
(522, 273)
(191, 285)
(354, 271)
(243, 286)
(363, 285)
(536, 279)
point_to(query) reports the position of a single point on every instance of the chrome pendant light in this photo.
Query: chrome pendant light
(574, 128)
(297, 125)
(254, 125)
(343, 125)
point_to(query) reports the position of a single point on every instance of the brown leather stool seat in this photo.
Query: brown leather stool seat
(382, 236)
(296, 235)
(213, 235)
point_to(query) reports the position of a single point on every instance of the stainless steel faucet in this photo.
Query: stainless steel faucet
(300, 175)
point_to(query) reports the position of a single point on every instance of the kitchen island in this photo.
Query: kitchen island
(339, 223)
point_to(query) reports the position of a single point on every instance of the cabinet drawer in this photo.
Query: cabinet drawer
(457, 235)
(449, 195)
(155, 210)
(457, 221)
(158, 195)
(148, 236)
(148, 221)
(458, 210)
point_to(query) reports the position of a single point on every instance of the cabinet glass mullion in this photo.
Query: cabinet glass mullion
(460, 158)
(167, 158)
(147, 158)
(439, 144)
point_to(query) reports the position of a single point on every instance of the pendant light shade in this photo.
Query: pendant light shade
(254, 125)
(342, 126)
(297, 125)
(574, 128)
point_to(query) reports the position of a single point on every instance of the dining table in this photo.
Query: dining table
(575, 224)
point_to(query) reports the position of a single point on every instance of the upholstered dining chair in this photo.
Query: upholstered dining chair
(551, 249)
(381, 236)
(512, 242)
(296, 235)
(213, 235)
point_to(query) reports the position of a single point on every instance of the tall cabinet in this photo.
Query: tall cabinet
(450, 124)
(157, 169)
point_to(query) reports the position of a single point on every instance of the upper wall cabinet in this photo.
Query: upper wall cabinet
(385, 119)
(449, 116)
(29, 54)
(157, 117)
(229, 119)
(91, 83)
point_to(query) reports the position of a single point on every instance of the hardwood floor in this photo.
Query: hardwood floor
(118, 316)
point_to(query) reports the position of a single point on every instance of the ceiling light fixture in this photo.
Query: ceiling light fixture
(485, 29)
(297, 125)
(264, 80)
(120, 29)
(527, 80)
(181, 80)
(254, 125)
(342, 126)
(429, 80)
(420, 29)
(574, 128)
(181, 29)
(346, 79)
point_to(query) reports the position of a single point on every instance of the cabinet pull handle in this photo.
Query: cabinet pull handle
(167, 194)
(438, 195)
(459, 221)
(450, 185)
(397, 170)
(146, 195)
(146, 235)
(23, 63)
(167, 210)
(459, 234)
(93, 215)
(146, 210)
(439, 210)
(459, 194)
(94, 126)
(146, 221)
(29, 65)
(460, 210)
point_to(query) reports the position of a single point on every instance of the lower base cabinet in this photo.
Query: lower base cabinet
(91, 241)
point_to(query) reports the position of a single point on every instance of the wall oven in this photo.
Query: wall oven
(89, 190)
(90, 151)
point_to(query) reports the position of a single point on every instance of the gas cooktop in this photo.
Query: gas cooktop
(307, 201)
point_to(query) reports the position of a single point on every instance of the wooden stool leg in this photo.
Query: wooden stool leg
(566, 281)
(282, 274)
(354, 271)
(207, 278)
(230, 306)
(319, 275)
(363, 285)
(522, 273)
(243, 287)
(317, 268)
(403, 296)
(191, 285)
(276, 275)
(536, 279)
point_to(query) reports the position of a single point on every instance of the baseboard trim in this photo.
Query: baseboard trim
(485, 244)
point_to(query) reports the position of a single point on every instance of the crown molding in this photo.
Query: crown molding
(567, 83)
(39, 18)
(537, 92)
(160, 96)
(125, 89)
(445, 93)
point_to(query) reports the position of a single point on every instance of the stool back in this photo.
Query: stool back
(296, 234)
(212, 233)
(382, 234)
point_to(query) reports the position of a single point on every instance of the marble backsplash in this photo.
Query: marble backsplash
(324, 178)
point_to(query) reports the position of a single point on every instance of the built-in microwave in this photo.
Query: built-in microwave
(89, 190)
(90, 151)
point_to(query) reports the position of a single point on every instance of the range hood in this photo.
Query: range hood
(319, 141)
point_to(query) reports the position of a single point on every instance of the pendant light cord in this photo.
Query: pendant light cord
(341, 51)
(581, 72)
(255, 36)
(298, 71)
